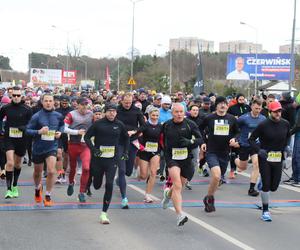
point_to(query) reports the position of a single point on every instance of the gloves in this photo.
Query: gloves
(185, 142)
(97, 152)
(263, 154)
(124, 156)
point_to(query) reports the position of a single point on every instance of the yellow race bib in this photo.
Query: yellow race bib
(179, 153)
(15, 133)
(274, 156)
(221, 129)
(50, 136)
(107, 151)
(151, 147)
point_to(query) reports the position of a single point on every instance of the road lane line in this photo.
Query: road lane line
(203, 224)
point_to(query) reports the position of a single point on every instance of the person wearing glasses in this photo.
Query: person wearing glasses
(17, 117)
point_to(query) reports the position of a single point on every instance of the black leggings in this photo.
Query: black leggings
(97, 172)
(270, 173)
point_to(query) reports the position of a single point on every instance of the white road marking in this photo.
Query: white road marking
(203, 224)
(281, 185)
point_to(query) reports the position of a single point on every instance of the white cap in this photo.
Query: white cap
(166, 99)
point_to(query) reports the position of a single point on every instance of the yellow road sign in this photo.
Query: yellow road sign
(131, 81)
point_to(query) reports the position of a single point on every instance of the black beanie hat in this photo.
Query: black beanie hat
(109, 106)
(220, 99)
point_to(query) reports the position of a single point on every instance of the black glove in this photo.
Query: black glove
(97, 152)
(263, 154)
(184, 142)
(124, 156)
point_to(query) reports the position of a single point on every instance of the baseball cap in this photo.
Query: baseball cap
(206, 100)
(274, 106)
(158, 96)
(5, 100)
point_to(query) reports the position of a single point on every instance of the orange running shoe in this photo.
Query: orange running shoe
(38, 197)
(231, 175)
(47, 201)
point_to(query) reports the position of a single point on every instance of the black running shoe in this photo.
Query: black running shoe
(209, 202)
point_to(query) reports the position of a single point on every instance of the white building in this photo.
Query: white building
(190, 44)
(241, 47)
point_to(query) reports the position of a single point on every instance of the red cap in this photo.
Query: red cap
(5, 100)
(274, 106)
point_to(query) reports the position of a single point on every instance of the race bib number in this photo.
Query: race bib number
(221, 129)
(107, 151)
(179, 153)
(151, 147)
(15, 133)
(50, 136)
(274, 156)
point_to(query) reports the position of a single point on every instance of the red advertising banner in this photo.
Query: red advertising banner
(69, 77)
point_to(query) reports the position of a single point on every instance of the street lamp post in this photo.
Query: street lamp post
(132, 38)
(292, 67)
(170, 69)
(85, 66)
(256, 36)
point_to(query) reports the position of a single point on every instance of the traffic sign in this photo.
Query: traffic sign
(131, 81)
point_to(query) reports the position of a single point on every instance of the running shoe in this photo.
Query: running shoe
(266, 216)
(81, 197)
(38, 196)
(103, 218)
(231, 175)
(200, 171)
(15, 191)
(162, 178)
(166, 199)
(2, 174)
(124, 203)
(63, 179)
(289, 181)
(29, 163)
(47, 201)
(58, 180)
(88, 192)
(181, 219)
(205, 173)
(296, 184)
(209, 202)
(148, 199)
(9, 194)
(188, 185)
(253, 192)
(70, 189)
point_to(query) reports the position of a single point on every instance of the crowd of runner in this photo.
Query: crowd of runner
(151, 136)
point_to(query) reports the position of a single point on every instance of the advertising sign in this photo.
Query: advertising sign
(267, 66)
(45, 76)
(69, 76)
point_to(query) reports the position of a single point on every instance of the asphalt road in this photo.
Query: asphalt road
(69, 225)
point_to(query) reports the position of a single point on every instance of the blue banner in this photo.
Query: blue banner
(269, 66)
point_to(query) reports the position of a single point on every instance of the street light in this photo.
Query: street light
(68, 33)
(256, 35)
(132, 38)
(85, 66)
(170, 67)
(293, 49)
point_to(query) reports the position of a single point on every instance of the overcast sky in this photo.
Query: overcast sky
(104, 26)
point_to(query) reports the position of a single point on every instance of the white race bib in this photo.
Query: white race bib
(274, 156)
(15, 133)
(179, 153)
(220, 128)
(107, 151)
(50, 136)
(151, 147)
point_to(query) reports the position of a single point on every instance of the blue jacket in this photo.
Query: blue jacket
(164, 115)
(51, 119)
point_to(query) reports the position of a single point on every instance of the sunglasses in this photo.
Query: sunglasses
(14, 95)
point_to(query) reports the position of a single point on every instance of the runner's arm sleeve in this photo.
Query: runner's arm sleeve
(31, 128)
(196, 132)
(252, 139)
(88, 135)
(69, 130)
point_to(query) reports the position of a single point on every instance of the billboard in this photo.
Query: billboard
(269, 66)
(45, 76)
(69, 76)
